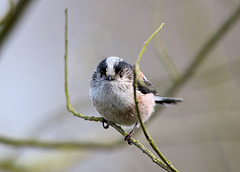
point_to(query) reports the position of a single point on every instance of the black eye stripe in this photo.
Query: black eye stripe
(121, 65)
(102, 66)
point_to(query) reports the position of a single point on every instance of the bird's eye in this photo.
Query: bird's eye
(101, 74)
(121, 74)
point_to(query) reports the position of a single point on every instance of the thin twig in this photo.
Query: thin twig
(160, 49)
(165, 59)
(55, 144)
(146, 133)
(69, 106)
(142, 148)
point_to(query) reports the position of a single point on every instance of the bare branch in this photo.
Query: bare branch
(8, 13)
(146, 133)
(203, 52)
(16, 142)
(12, 19)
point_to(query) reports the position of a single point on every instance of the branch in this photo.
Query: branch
(8, 13)
(55, 144)
(165, 59)
(142, 148)
(12, 19)
(69, 106)
(146, 133)
(203, 52)
(201, 56)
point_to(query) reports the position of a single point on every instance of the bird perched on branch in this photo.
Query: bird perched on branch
(111, 92)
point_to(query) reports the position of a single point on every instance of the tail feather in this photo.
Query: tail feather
(167, 100)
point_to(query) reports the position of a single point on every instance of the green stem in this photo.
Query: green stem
(55, 144)
(146, 133)
(165, 59)
(69, 106)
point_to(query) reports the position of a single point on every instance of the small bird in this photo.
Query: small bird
(111, 92)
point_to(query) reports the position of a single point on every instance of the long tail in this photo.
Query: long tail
(167, 100)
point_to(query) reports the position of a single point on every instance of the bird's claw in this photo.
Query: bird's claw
(105, 124)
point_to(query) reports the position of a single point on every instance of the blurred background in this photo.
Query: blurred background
(200, 134)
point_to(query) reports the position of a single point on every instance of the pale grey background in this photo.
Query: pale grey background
(201, 134)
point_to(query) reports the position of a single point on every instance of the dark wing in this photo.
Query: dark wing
(145, 86)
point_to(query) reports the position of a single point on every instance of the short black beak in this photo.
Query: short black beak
(110, 78)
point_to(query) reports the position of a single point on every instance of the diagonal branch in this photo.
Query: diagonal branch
(146, 133)
(204, 51)
(8, 13)
(12, 19)
(202, 55)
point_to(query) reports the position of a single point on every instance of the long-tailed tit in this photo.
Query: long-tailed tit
(111, 91)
